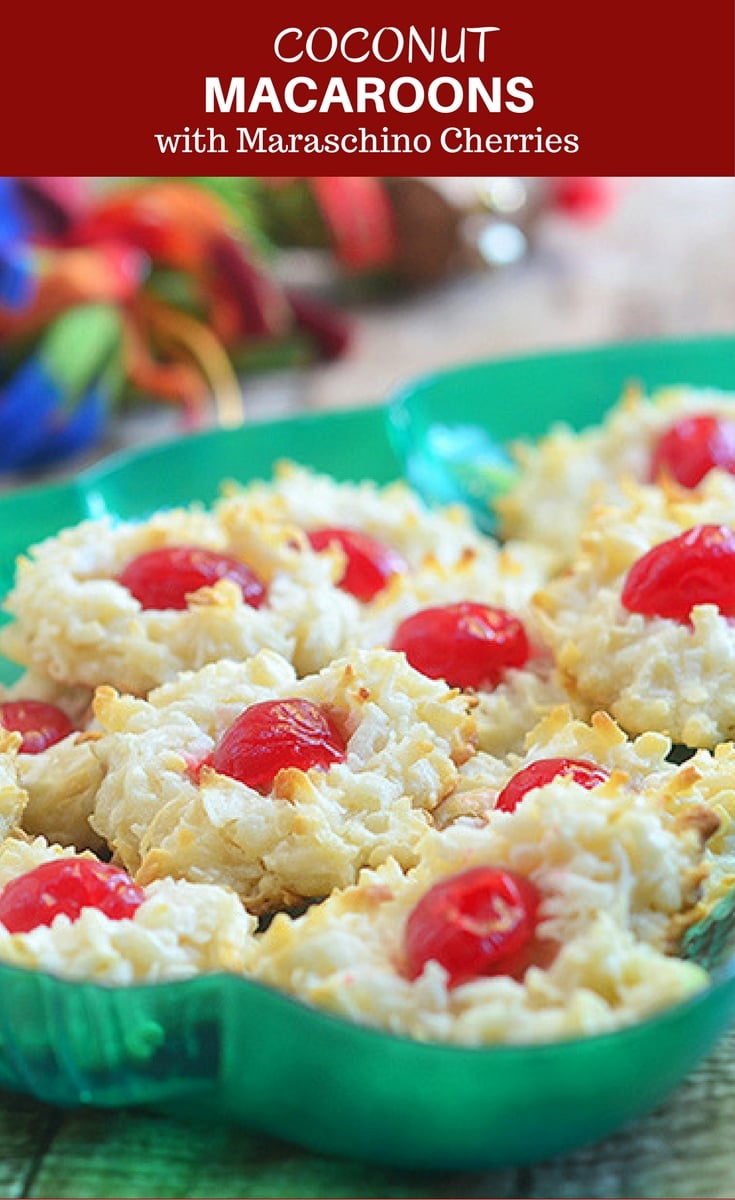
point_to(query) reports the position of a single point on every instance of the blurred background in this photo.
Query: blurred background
(138, 309)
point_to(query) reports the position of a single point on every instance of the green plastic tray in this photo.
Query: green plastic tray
(222, 1048)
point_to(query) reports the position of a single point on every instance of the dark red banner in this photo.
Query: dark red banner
(639, 87)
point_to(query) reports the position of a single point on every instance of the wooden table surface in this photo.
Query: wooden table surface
(662, 264)
(685, 1148)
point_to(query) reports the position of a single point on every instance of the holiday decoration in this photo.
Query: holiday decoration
(409, 233)
(148, 290)
(120, 292)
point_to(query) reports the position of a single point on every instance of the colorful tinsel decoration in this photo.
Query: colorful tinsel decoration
(148, 290)
(117, 292)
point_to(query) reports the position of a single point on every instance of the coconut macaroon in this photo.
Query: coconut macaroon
(506, 580)
(61, 776)
(75, 624)
(668, 673)
(62, 782)
(566, 473)
(561, 741)
(168, 806)
(616, 881)
(506, 715)
(179, 929)
(384, 549)
(13, 798)
(298, 498)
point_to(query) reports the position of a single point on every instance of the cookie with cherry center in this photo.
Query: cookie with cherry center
(288, 564)
(598, 755)
(372, 540)
(641, 625)
(279, 787)
(472, 626)
(56, 764)
(77, 917)
(132, 603)
(527, 928)
(674, 436)
(559, 745)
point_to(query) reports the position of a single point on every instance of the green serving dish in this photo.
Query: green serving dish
(224, 1048)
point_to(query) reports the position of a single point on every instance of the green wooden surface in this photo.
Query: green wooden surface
(686, 1148)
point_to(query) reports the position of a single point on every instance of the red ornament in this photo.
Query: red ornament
(583, 198)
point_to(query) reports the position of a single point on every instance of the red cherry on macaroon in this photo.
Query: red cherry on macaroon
(692, 446)
(369, 563)
(480, 922)
(67, 885)
(164, 578)
(469, 645)
(696, 567)
(543, 771)
(41, 724)
(275, 734)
